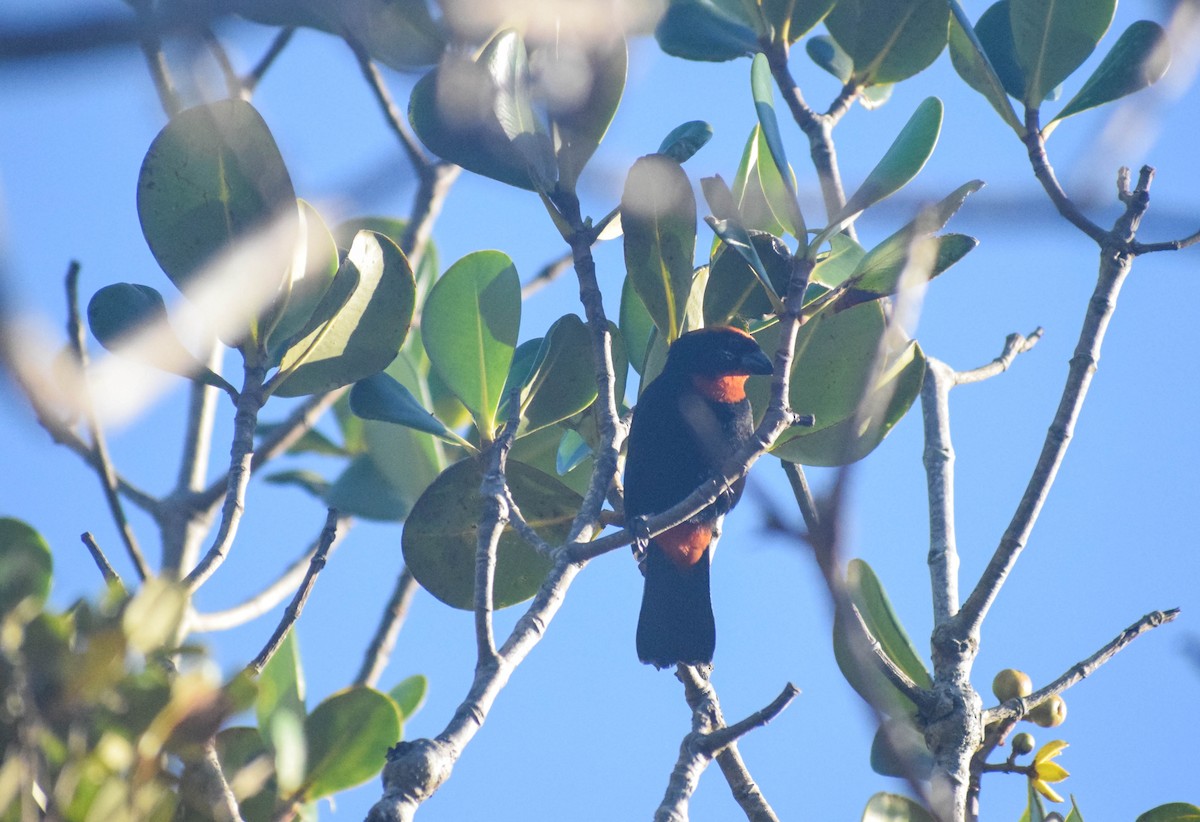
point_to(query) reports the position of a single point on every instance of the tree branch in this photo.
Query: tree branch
(1035, 145)
(250, 81)
(380, 650)
(110, 574)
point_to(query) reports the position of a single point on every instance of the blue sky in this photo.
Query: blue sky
(583, 731)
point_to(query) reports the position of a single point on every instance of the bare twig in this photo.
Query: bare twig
(102, 462)
(233, 84)
(250, 81)
(110, 574)
(150, 42)
(391, 111)
(1014, 345)
(384, 640)
(548, 273)
(296, 606)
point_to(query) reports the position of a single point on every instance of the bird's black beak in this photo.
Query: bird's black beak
(756, 362)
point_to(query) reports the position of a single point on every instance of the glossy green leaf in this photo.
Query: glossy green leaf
(469, 326)
(363, 490)
(903, 160)
(892, 807)
(1172, 812)
(734, 292)
(409, 694)
(899, 750)
(889, 40)
(119, 312)
(441, 535)
(281, 686)
(580, 121)
(637, 326)
(762, 88)
(1052, 38)
(26, 567)
(658, 213)
(152, 618)
(826, 53)
(394, 229)
(365, 334)
(685, 140)
(709, 30)
(308, 278)
(852, 437)
(507, 64)
(792, 19)
(978, 64)
(564, 383)
(381, 397)
(347, 735)
(214, 176)
(1138, 59)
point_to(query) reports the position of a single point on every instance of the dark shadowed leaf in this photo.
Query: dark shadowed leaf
(239, 748)
(759, 193)
(382, 397)
(1052, 39)
(898, 750)
(791, 19)
(658, 213)
(310, 481)
(994, 31)
(398, 33)
(469, 326)
(636, 325)
(1138, 59)
(712, 30)
(362, 490)
(441, 535)
(734, 292)
(25, 566)
(346, 736)
(826, 53)
(977, 62)
(564, 383)
(685, 140)
(581, 121)
(889, 40)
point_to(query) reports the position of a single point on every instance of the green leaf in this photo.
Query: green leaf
(441, 535)
(762, 88)
(427, 269)
(1035, 811)
(309, 481)
(826, 53)
(658, 213)
(580, 121)
(759, 193)
(637, 326)
(903, 161)
(708, 30)
(979, 64)
(362, 336)
(564, 383)
(889, 40)
(363, 490)
(572, 450)
(238, 748)
(308, 278)
(892, 807)
(398, 33)
(1138, 59)
(313, 441)
(1053, 38)
(839, 263)
(26, 567)
(409, 694)
(899, 750)
(507, 64)
(212, 177)
(382, 397)
(281, 686)
(1172, 812)
(347, 735)
(734, 292)
(469, 326)
(791, 19)
(685, 140)
(727, 224)
(152, 618)
(118, 313)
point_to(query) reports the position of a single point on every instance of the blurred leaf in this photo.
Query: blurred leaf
(636, 325)
(507, 64)
(347, 735)
(310, 481)
(892, 807)
(381, 397)
(977, 63)
(873, 97)
(994, 30)
(685, 140)
(1172, 812)
(1138, 59)
(313, 441)
(366, 333)
(572, 450)
(826, 53)
(581, 121)
(441, 535)
(152, 618)
(791, 19)
(899, 750)
(784, 204)
(308, 278)
(658, 212)
(734, 292)
(409, 695)
(564, 383)
(903, 161)
(398, 33)
(281, 686)
(26, 566)
(242, 752)
(727, 224)
(710, 30)
(469, 326)
(889, 40)
(362, 490)
(759, 192)
(1052, 39)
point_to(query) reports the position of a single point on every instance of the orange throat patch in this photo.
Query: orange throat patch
(725, 388)
(685, 544)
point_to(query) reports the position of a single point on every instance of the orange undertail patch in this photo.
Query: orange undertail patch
(685, 544)
(725, 388)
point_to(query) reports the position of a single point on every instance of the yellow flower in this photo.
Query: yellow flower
(1045, 770)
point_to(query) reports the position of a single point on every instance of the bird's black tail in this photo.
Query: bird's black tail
(676, 622)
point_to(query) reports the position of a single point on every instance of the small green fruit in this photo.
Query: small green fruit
(1011, 683)
(1049, 714)
(1023, 743)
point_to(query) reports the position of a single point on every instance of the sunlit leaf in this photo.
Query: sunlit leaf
(409, 694)
(1052, 39)
(308, 278)
(346, 736)
(889, 40)
(564, 382)
(734, 291)
(636, 325)
(382, 397)
(1138, 59)
(792, 19)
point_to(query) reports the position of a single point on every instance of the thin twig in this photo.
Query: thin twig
(1035, 144)
(250, 81)
(260, 603)
(296, 607)
(233, 84)
(548, 273)
(110, 574)
(493, 491)
(150, 41)
(1014, 345)
(102, 462)
(391, 112)
(380, 650)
